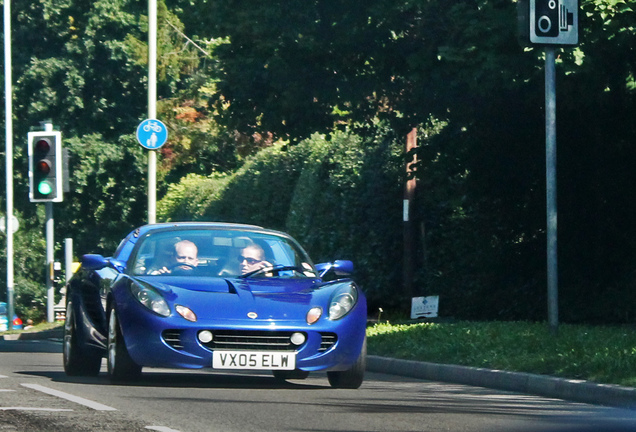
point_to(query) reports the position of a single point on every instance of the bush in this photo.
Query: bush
(30, 300)
(260, 192)
(348, 205)
(191, 197)
(340, 196)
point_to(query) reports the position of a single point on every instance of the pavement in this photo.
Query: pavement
(54, 333)
(540, 385)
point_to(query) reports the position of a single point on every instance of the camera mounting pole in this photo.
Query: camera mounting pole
(549, 23)
(551, 189)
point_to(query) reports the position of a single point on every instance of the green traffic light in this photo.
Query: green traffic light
(45, 188)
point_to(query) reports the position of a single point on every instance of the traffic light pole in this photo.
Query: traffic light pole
(50, 257)
(8, 102)
(152, 107)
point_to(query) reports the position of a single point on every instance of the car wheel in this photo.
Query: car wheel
(283, 375)
(351, 378)
(77, 362)
(120, 366)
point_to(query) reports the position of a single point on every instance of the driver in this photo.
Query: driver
(252, 258)
(183, 258)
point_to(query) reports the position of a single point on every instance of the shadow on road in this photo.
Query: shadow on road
(30, 346)
(186, 379)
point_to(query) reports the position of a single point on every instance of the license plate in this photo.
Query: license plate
(253, 360)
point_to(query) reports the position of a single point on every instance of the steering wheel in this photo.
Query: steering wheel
(181, 268)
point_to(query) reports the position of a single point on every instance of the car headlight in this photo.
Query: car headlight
(342, 301)
(150, 298)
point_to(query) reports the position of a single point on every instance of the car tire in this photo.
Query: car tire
(121, 366)
(283, 375)
(78, 360)
(351, 378)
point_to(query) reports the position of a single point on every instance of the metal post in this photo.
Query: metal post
(68, 273)
(409, 193)
(152, 107)
(50, 257)
(8, 115)
(551, 189)
(68, 258)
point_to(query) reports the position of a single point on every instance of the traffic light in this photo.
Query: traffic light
(45, 166)
(548, 22)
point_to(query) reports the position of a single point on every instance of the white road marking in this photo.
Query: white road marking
(88, 403)
(161, 429)
(6, 390)
(3, 376)
(32, 409)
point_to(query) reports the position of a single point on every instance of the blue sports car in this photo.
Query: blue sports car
(214, 295)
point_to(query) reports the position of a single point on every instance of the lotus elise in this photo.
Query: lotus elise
(227, 297)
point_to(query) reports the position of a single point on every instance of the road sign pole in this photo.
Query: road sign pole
(152, 107)
(152, 186)
(152, 134)
(551, 188)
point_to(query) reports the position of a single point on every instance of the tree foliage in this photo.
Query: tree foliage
(293, 68)
(109, 186)
(73, 66)
(83, 65)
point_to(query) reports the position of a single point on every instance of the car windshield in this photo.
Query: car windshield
(218, 252)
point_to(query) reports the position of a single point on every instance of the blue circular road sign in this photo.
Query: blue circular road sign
(152, 134)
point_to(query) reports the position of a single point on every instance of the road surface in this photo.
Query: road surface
(36, 395)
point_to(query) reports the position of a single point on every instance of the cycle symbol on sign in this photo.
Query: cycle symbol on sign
(152, 134)
(152, 126)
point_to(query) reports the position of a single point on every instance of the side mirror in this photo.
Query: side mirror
(98, 262)
(342, 268)
(94, 262)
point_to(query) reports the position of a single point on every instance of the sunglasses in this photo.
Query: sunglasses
(250, 261)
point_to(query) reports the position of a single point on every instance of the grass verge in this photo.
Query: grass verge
(603, 354)
(36, 328)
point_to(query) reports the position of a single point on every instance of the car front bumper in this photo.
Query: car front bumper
(173, 342)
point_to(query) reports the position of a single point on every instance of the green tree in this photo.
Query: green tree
(108, 194)
(72, 67)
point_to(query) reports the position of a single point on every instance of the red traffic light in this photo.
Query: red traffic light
(43, 145)
(43, 166)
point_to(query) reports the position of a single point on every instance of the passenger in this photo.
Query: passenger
(184, 258)
(252, 258)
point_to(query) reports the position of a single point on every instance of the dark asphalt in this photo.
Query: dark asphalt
(541, 385)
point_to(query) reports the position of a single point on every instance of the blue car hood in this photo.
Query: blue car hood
(234, 298)
(205, 284)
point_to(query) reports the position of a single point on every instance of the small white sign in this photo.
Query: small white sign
(15, 224)
(424, 307)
